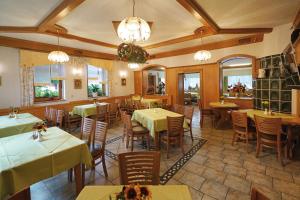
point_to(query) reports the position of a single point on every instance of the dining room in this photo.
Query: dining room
(149, 99)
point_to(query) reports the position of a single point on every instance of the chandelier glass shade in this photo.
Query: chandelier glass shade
(133, 65)
(202, 55)
(133, 29)
(58, 56)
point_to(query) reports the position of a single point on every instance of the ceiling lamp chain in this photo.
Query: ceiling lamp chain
(133, 29)
(202, 55)
(58, 56)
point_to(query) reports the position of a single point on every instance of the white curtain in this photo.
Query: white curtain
(27, 74)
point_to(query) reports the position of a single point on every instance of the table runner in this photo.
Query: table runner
(167, 192)
(12, 126)
(86, 110)
(24, 161)
(154, 119)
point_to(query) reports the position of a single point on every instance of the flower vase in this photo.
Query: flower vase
(266, 111)
(40, 136)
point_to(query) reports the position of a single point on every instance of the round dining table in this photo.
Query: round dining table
(221, 113)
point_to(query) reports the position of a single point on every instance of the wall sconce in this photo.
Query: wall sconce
(123, 74)
(77, 72)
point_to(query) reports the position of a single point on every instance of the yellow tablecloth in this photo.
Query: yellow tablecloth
(24, 161)
(224, 105)
(154, 119)
(151, 103)
(159, 192)
(12, 126)
(86, 110)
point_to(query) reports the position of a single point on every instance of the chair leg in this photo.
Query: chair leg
(191, 132)
(70, 174)
(247, 142)
(168, 149)
(93, 164)
(258, 146)
(127, 141)
(148, 141)
(233, 139)
(104, 165)
(131, 142)
(201, 121)
(181, 145)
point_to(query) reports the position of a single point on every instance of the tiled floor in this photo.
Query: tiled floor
(217, 171)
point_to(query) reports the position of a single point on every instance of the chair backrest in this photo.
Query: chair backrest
(189, 112)
(137, 104)
(239, 119)
(123, 115)
(139, 167)
(175, 125)
(120, 102)
(101, 111)
(47, 113)
(268, 126)
(100, 134)
(128, 123)
(257, 195)
(179, 109)
(113, 107)
(59, 118)
(53, 114)
(87, 129)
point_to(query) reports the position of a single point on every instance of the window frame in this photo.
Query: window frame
(104, 86)
(47, 99)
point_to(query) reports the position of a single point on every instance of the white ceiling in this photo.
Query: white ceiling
(93, 19)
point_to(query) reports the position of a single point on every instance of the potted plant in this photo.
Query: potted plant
(94, 89)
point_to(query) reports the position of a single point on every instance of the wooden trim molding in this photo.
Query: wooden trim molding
(244, 30)
(44, 47)
(59, 13)
(211, 46)
(18, 29)
(296, 22)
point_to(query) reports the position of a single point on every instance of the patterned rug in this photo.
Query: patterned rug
(168, 167)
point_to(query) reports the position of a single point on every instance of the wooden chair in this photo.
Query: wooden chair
(102, 113)
(52, 116)
(269, 134)
(165, 105)
(205, 113)
(138, 131)
(133, 123)
(59, 118)
(240, 127)
(112, 113)
(71, 119)
(129, 106)
(97, 148)
(188, 113)
(178, 109)
(121, 103)
(138, 105)
(257, 195)
(47, 114)
(174, 134)
(139, 167)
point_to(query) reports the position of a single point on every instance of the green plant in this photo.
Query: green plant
(94, 87)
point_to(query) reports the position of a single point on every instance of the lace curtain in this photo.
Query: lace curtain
(26, 79)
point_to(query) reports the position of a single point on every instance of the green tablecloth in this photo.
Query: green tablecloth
(163, 192)
(86, 110)
(12, 126)
(24, 161)
(151, 103)
(154, 119)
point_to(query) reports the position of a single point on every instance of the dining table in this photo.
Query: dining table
(221, 110)
(155, 120)
(87, 110)
(21, 123)
(287, 120)
(178, 192)
(25, 161)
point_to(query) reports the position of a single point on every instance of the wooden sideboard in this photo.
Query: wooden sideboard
(242, 102)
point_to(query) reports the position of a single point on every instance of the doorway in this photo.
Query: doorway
(189, 88)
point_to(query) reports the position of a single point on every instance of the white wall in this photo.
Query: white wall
(9, 72)
(10, 88)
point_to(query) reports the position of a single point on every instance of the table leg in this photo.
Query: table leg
(156, 140)
(289, 142)
(79, 177)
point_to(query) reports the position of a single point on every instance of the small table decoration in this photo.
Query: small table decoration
(14, 112)
(38, 129)
(222, 99)
(265, 105)
(134, 192)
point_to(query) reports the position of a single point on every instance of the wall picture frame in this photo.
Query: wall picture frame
(123, 81)
(77, 83)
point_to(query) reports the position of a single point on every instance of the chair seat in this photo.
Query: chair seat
(134, 123)
(283, 137)
(139, 130)
(95, 150)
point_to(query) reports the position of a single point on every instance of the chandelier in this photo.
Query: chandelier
(132, 53)
(133, 29)
(58, 56)
(133, 65)
(202, 55)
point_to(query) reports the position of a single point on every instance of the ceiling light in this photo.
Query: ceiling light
(58, 56)
(133, 65)
(202, 55)
(133, 29)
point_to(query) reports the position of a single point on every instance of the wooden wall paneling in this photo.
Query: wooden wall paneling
(180, 88)
(144, 82)
(138, 82)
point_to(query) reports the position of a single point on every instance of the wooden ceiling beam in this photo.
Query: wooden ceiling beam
(296, 22)
(244, 30)
(18, 29)
(211, 46)
(44, 47)
(59, 13)
(199, 13)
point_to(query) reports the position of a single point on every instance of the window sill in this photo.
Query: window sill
(49, 103)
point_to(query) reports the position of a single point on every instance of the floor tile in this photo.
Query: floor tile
(214, 189)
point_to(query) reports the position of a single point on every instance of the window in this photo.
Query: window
(48, 82)
(236, 76)
(97, 81)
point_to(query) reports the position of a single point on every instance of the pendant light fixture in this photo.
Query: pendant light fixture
(202, 55)
(133, 29)
(58, 56)
(133, 65)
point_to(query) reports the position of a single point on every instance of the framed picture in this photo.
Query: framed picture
(77, 84)
(123, 81)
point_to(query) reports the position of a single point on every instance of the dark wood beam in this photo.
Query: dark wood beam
(59, 13)
(245, 30)
(18, 29)
(296, 22)
(44, 47)
(211, 46)
(199, 13)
